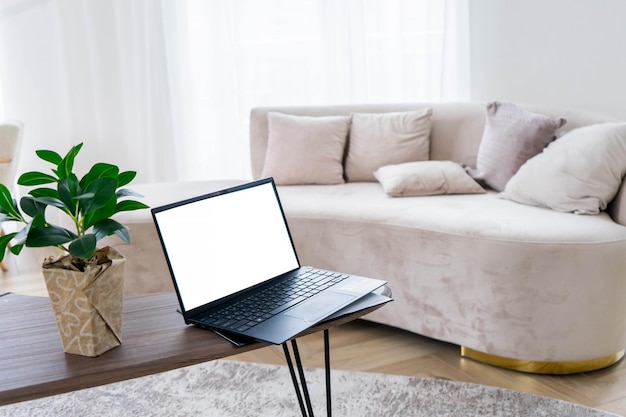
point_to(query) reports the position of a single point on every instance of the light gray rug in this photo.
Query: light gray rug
(228, 388)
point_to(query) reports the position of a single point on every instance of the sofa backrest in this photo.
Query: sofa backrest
(455, 135)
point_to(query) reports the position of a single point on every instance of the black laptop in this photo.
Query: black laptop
(235, 268)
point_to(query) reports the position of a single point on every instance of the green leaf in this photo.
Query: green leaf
(40, 237)
(35, 178)
(68, 191)
(31, 207)
(67, 164)
(125, 192)
(102, 213)
(107, 227)
(99, 170)
(4, 241)
(129, 205)
(85, 196)
(103, 189)
(123, 234)
(50, 201)
(125, 178)
(20, 237)
(44, 192)
(16, 249)
(83, 247)
(7, 203)
(38, 221)
(49, 156)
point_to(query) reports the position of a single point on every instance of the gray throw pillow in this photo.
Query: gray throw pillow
(511, 137)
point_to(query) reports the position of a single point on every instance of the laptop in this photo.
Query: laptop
(235, 268)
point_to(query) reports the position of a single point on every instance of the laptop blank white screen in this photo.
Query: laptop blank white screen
(220, 245)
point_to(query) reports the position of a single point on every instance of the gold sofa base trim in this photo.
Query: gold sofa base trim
(536, 367)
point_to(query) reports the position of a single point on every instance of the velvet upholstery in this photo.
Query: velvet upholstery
(476, 270)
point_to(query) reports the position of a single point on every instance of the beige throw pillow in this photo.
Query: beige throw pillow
(580, 172)
(305, 150)
(511, 137)
(378, 139)
(426, 178)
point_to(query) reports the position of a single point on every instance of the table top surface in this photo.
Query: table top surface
(155, 339)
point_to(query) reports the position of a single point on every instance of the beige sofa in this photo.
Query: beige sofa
(514, 285)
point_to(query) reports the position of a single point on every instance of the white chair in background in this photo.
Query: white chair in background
(10, 143)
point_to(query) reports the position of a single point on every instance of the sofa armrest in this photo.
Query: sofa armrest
(617, 207)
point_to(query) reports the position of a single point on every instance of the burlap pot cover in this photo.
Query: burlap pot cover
(87, 305)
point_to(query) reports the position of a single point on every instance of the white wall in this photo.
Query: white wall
(569, 53)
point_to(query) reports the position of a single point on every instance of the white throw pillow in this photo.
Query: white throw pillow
(378, 139)
(580, 172)
(426, 178)
(305, 150)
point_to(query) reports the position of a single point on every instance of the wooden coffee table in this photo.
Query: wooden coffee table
(155, 339)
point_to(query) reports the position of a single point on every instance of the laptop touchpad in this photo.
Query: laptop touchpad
(315, 309)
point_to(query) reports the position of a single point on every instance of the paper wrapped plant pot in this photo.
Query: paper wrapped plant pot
(87, 305)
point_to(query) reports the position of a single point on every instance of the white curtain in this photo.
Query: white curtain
(165, 87)
(93, 72)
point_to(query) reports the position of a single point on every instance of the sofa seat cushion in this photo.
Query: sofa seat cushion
(473, 270)
(471, 215)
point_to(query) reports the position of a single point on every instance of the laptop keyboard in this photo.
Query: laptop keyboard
(273, 300)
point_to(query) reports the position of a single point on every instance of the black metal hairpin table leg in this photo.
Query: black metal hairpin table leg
(327, 369)
(302, 391)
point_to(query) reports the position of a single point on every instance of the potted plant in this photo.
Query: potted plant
(85, 283)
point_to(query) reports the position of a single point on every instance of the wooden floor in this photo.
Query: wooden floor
(365, 346)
